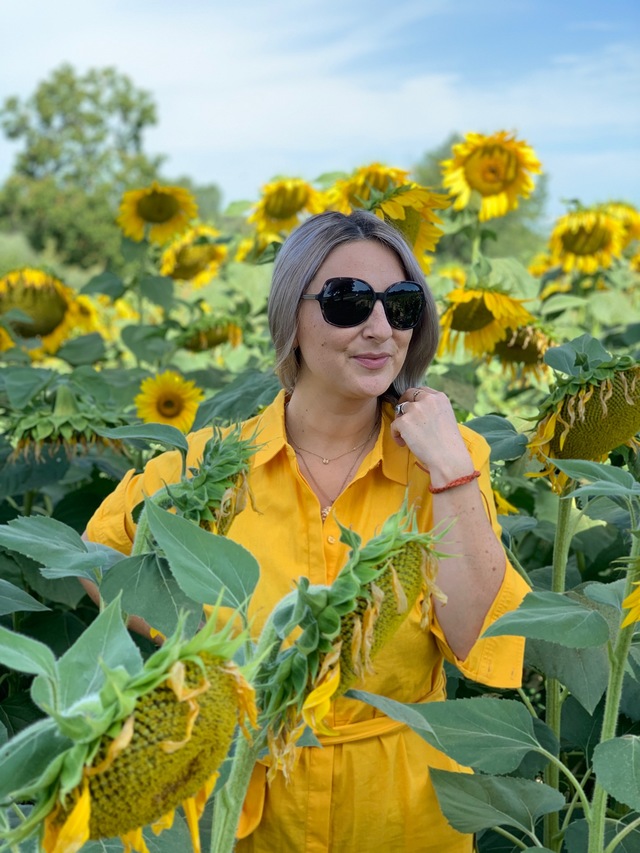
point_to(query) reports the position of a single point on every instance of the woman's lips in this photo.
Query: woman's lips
(373, 361)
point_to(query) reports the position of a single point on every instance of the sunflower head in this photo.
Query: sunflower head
(343, 628)
(521, 353)
(209, 332)
(628, 215)
(356, 190)
(168, 398)
(481, 318)
(195, 256)
(53, 310)
(283, 205)
(159, 211)
(593, 407)
(410, 209)
(140, 740)
(586, 241)
(498, 168)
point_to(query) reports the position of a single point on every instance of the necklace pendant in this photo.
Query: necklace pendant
(324, 512)
(325, 461)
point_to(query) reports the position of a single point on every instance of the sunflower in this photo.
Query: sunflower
(483, 318)
(356, 190)
(167, 398)
(586, 240)
(540, 264)
(252, 249)
(409, 208)
(588, 413)
(632, 604)
(162, 210)
(151, 738)
(628, 215)
(521, 353)
(194, 256)
(497, 167)
(283, 205)
(209, 332)
(54, 309)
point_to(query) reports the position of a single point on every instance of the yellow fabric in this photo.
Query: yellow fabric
(369, 791)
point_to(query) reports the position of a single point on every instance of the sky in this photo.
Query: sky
(252, 89)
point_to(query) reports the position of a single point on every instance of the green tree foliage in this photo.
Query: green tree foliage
(520, 233)
(82, 138)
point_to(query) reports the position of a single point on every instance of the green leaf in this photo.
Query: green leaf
(150, 591)
(159, 290)
(576, 839)
(87, 349)
(165, 434)
(505, 442)
(583, 671)
(147, 343)
(490, 735)
(25, 758)
(471, 803)
(13, 599)
(555, 618)
(23, 383)
(204, 564)
(563, 361)
(238, 400)
(105, 642)
(26, 655)
(595, 472)
(106, 282)
(616, 764)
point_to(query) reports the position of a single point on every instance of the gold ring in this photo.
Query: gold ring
(416, 392)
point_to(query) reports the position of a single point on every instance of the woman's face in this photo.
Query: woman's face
(359, 361)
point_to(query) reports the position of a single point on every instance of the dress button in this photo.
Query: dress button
(331, 540)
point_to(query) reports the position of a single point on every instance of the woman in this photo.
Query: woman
(354, 328)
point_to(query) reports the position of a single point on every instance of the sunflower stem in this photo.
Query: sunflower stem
(553, 716)
(612, 703)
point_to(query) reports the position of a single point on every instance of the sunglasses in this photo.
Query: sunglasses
(347, 302)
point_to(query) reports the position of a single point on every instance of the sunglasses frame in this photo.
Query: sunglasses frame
(381, 296)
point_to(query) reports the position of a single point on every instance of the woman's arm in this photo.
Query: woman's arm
(471, 577)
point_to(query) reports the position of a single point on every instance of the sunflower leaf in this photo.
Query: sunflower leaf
(13, 599)
(26, 655)
(30, 757)
(554, 618)
(471, 803)
(505, 442)
(617, 765)
(165, 434)
(203, 563)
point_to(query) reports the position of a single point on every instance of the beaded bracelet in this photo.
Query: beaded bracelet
(435, 490)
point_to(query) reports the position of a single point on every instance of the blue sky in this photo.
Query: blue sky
(255, 88)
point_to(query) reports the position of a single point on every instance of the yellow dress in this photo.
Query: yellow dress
(368, 788)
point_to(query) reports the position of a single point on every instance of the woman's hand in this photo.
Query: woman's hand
(427, 425)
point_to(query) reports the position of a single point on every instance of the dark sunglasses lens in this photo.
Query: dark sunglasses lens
(347, 301)
(404, 303)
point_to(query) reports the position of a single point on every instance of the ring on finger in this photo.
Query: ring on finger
(415, 394)
(400, 409)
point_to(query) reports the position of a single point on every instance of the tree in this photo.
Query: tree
(82, 141)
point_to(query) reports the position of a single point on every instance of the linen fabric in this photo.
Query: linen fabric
(367, 789)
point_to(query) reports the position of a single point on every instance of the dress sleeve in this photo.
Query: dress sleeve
(495, 661)
(112, 524)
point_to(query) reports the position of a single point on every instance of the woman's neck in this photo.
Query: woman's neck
(329, 428)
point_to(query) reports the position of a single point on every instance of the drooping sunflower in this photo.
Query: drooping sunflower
(628, 215)
(355, 190)
(589, 411)
(54, 309)
(284, 203)
(521, 353)
(151, 737)
(168, 398)
(632, 604)
(194, 256)
(410, 209)
(498, 167)
(161, 211)
(586, 241)
(209, 332)
(481, 317)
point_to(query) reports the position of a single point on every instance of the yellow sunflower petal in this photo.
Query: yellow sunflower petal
(318, 703)
(69, 836)
(632, 604)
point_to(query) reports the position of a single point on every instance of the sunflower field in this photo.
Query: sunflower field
(540, 355)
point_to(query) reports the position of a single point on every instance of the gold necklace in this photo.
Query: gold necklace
(325, 510)
(325, 459)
